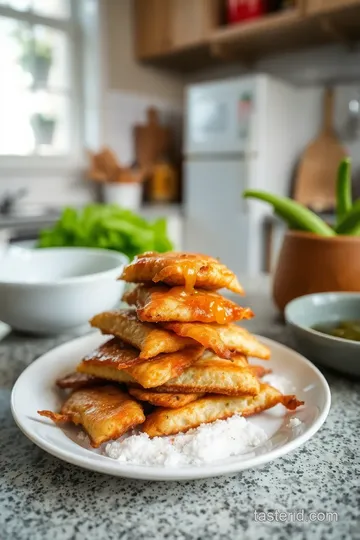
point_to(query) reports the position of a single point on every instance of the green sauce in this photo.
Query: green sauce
(342, 329)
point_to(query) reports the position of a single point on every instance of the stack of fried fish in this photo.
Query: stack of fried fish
(179, 353)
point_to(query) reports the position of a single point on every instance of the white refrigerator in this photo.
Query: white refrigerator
(240, 133)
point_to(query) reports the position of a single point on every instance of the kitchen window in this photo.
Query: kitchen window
(40, 88)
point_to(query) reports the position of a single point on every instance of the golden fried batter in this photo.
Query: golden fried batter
(211, 374)
(225, 340)
(211, 408)
(78, 380)
(162, 399)
(149, 338)
(259, 371)
(104, 412)
(149, 373)
(109, 373)
(161, 304)
(116, 352)
(239, 360)
(184, 269)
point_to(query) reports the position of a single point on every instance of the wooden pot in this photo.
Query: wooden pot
(309, 263)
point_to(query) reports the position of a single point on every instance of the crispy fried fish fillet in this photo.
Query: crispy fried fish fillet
(104, 412)
(78, 380)
(148, 374)
(225, 340)
(211, 408)
(211, 374)
(161, 304)
(149, 338)
(185, 269)
(163, 399)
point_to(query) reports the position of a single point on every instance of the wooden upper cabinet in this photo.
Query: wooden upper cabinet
(325, 6)
(192, 21)
(163, 26)
(187, 34)
(151, 20)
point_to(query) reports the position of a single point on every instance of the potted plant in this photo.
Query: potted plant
(314, 256)
(36, 58)
(44, 127)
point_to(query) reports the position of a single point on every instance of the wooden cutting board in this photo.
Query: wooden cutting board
(152, 140)
(315, 182)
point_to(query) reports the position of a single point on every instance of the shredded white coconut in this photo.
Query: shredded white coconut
(205, 444)
(294, 422)
(82, 436)
(281, 383)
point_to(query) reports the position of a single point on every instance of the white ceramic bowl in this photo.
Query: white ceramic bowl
(49, 291)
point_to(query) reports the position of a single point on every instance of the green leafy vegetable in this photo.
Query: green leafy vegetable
(109, 227)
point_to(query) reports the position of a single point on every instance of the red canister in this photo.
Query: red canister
(242, 10)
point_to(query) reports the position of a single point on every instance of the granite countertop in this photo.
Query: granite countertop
(42, 497)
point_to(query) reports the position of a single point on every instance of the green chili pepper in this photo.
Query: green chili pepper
(350, 225)
(291, 223)
(296, 215)
(343, 190)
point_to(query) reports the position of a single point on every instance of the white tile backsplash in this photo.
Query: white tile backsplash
(48, 189)
(124, 110)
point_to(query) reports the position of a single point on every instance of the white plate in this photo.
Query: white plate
(34, 390)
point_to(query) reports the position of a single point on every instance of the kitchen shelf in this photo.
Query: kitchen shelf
(293, 29)
(286, 31)
(184, 59)
(255, 38)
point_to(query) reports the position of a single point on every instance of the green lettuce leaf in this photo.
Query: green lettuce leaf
(107, 226)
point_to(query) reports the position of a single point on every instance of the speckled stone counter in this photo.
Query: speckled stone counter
(43, 498)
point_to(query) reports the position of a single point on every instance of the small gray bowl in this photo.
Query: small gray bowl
(304, 312)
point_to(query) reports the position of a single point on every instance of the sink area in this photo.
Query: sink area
(20, 219)
(31, 211)
(25, 223)
(16, 211)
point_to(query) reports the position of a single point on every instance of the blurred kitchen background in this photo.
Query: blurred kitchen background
(173, 108)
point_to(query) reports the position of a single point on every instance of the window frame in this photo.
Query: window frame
(74, 159)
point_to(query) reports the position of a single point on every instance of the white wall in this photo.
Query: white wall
(124, 73)
(320, 65)
(131, 88)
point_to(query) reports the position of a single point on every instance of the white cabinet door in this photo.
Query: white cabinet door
(215, 218)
